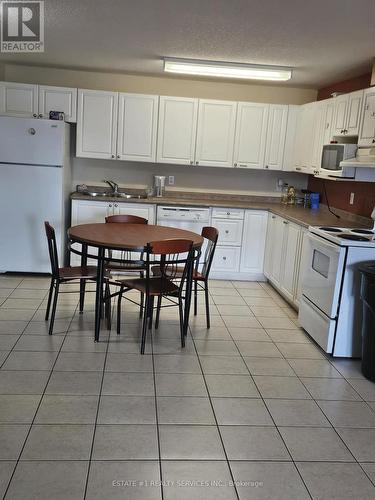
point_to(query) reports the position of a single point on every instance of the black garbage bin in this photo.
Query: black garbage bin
(368, 321)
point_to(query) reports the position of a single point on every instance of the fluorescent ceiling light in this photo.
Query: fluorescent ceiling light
(227, 70)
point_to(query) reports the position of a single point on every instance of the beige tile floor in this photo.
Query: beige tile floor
(250, 409)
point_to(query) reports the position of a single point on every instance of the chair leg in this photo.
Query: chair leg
(119, 311)
(54, 305)
(108, 312)
(151, 312)
(144, 325)
(142, 303)
(207, 300)
(182, 323)
(195, 297)
(50, 293)
(158, 307)
(82, 288)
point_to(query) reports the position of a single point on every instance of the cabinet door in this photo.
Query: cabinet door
(136, 136)
(88, 212)
(251, 132)
(328, 122)
(290, 259)
(253, 241)
(215, 134)
(353, 119)
(141, 210)
(341, 111)
(318, 133)
(304, 139)
(230, 231)
(269, 245)
(177, 130)
(58, 99)
(97, 124)
(367, 130)
(18, 99)
(277, 250)
(276, 133)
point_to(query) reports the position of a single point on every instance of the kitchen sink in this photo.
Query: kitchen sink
(127, 196)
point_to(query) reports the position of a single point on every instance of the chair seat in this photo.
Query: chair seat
(178, 274)
(78, 272)
(156, 286)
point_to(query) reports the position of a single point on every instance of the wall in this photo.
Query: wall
(277, 94)
(2, 71)
(205, 179)
(357, 83)
(338, 193)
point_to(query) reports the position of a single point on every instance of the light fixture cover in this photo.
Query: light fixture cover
(227, 70)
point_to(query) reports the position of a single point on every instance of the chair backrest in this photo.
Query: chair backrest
(211, 234)
(126, 219)
(52, 249)
(174, 258)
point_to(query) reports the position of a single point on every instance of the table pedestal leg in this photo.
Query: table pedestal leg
(99, 292)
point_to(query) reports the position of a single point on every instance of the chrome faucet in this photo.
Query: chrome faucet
(113, 185)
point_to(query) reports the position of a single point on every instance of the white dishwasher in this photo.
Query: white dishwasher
(189, 218)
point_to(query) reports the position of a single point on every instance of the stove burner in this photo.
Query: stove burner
(354, 237)
(362, 231)
(331, 229)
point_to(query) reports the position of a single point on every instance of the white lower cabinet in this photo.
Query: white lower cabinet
(90, 212)
(240, 251)
(282, 256)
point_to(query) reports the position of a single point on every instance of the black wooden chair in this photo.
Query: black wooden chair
(173, 256)
(62, 275)
(200, 278)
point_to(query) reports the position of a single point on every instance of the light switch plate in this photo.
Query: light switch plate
(171, 180)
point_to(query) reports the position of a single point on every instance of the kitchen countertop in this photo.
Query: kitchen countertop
(302, 216)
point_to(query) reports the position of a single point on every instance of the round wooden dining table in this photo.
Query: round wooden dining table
(125, 237)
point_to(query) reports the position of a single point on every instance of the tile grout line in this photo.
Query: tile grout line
(37, 409)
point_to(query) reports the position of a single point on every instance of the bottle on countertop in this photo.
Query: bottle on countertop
(284, 194)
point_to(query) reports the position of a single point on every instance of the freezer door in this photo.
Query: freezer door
(31, 142)
(30, 195)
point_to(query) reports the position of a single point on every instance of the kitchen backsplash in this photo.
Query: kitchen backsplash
(241, 181)
(339, 192)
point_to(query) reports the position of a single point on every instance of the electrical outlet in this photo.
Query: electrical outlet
(351, 199)
(171, 180)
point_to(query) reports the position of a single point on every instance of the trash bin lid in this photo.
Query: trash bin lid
(368, 268)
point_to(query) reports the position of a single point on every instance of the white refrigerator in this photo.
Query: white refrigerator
(35, 183)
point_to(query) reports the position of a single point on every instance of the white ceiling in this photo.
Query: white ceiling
(324, 40)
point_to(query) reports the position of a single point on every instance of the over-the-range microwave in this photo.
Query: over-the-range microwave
(332, 156)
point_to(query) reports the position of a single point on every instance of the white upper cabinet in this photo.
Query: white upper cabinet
(177, 130)
(58, 99)
(347, 115)
(276, 132)
(19, 99)
(328, 120)
(367, 130)
(251, 133)
(215, 133)
(97, 124)
(137, 124)
(303, 147)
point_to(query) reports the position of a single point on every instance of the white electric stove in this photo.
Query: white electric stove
(331, 308)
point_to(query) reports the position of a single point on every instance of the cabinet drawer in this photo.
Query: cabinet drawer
(226, 259)
(228, 213)
(230, 231)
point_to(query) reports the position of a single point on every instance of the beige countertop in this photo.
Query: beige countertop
(304, 217)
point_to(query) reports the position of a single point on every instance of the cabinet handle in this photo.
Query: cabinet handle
(285, 222)
(373, 141)
(113, 156)
(298, 168)
(191, 162)
(243, 165)
(224, 258)
(228, 213)
(197, 162)
(227, 232)
(235, 164)
(118, 156)
(40, 115)
(266, 166)
(35, 115)
(110, 206)
(273, 217)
